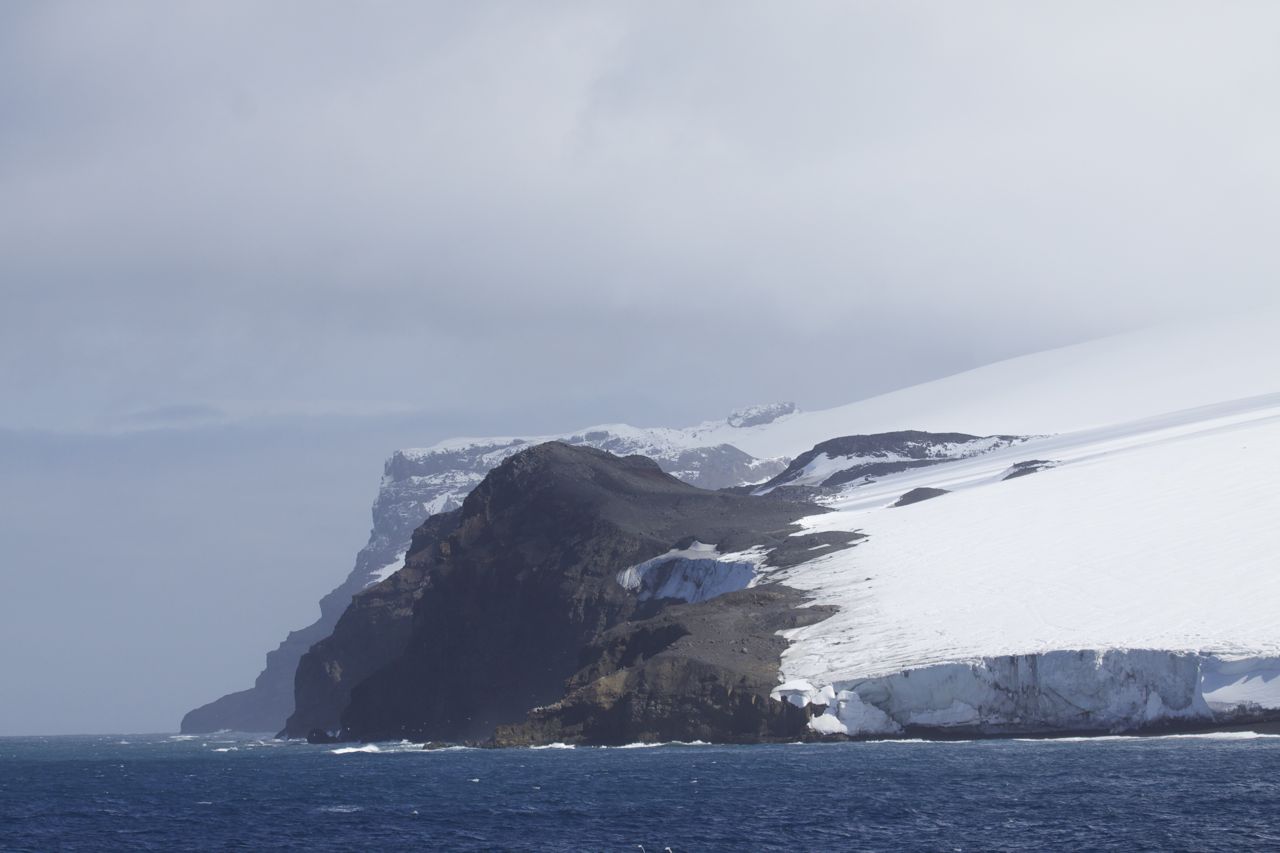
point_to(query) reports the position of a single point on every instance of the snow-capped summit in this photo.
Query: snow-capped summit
(663, 444)
(759, 415)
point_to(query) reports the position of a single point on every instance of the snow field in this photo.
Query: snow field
(1152, 550)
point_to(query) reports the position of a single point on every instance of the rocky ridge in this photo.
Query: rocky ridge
(850, 459)
(505, 602)
(419, 483)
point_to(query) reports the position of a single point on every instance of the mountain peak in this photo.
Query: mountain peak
(765, 413)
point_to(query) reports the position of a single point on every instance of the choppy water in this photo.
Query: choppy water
(226, 793)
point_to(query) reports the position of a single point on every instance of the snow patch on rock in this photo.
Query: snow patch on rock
(696, 573)
(916, 452)
(380, 574)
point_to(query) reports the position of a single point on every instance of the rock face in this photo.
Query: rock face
(374, 629)
(499, 600)
(1029, 466)
(420, 483)
(850, 458)
(701, 671)
(402, 505)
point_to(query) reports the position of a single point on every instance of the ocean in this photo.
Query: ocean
(231, 792)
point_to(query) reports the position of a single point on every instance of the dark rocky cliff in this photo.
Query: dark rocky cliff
(405, 500)
(691, 672)
(504, 602)
(374, 629)
(419, 483)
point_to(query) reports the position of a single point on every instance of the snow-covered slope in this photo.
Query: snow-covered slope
(1135, 581)
(1093, 384)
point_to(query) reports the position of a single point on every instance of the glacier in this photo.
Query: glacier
(1132, 583)
(1088, 690)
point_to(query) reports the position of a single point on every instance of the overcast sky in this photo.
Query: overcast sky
(246, 249)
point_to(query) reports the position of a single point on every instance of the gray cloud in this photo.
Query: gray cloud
(400, 204)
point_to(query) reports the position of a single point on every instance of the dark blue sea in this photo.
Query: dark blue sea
(223, 792)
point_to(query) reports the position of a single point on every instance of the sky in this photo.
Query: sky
(248, 249)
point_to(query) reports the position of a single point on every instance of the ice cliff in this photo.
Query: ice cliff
(1113, 690)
